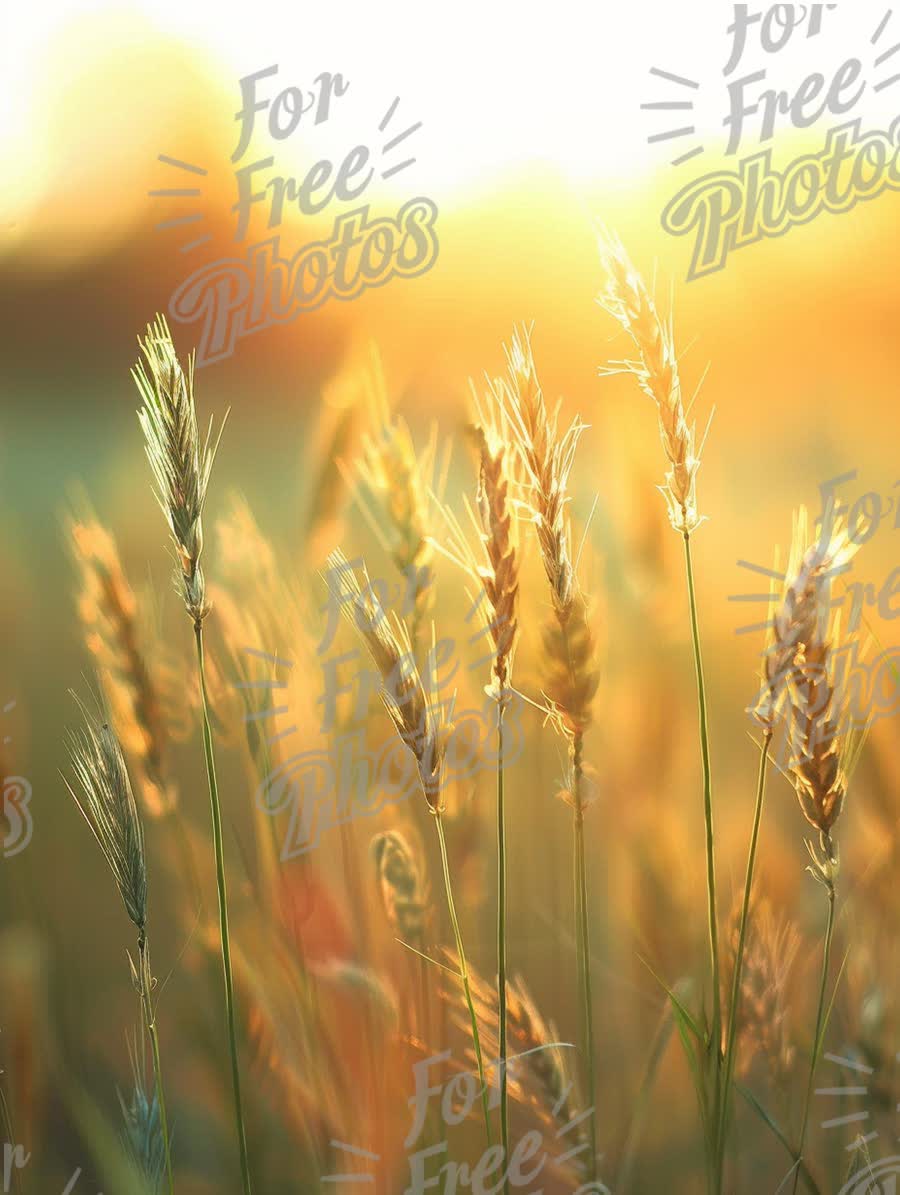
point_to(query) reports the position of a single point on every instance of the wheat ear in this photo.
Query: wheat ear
(392, 470)
(108, 805)
(107, 609)
(627, 299)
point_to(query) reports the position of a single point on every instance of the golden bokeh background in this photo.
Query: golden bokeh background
(531, 136)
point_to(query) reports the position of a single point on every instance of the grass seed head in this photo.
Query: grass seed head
(764, 1025)
(393, 471)
(801, 616)
(498, 531)
(804, 644)
(627, 299)
(108, 611)
(547, 457)
(181, 462)
(144, 1136)
(410, 707)
(403, 892)
(108, 806)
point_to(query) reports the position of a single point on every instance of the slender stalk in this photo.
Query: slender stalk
(582, 932)
(715, 1028)
(817, 1040)
(731, 1031)
(463, 969)
(501, 949)
(146, 982)
(223, 909)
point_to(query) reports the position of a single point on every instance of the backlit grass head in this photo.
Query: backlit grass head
(106, 800)
(180, 460)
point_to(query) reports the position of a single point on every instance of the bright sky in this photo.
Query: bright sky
(495, 83)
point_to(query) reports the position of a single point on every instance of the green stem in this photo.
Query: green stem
(716, 1026)
(223, 909)
(463, 969)
(146, 981)
(501, 949)
(582, 932)
(817, 1040)
(731, 1031)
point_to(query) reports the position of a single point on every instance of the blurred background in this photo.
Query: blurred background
(532, 132)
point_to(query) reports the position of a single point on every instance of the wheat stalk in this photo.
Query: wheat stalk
(413, 712)
(547, 456)
(108, 805)
(823, 747)
(800, 610)
(495, 569)
(181, 465)
(628, 300)
(824, 752)
(501, 586)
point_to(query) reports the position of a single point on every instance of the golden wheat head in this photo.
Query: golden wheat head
(180, 461)
(627, 299)
(410, 707)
